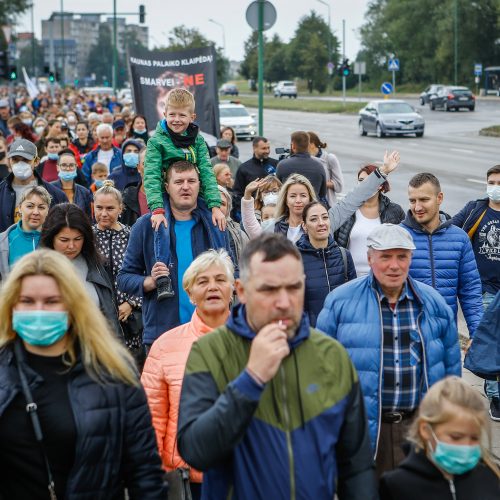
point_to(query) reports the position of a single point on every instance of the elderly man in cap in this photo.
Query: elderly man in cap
(223, 150)
(401, 336)
(22, 158)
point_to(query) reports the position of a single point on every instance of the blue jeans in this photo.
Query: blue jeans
(161, 240)
(491, 387)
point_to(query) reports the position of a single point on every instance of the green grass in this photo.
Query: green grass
(310, 105)
(493, 131)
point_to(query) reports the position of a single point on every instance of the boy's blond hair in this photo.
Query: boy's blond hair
(180, 98)
(99, 168)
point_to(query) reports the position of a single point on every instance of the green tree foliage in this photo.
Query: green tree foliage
(182, 37)
(421, 34)
(9, 9)
(26, 59)
(276, 60)
(100, 59)
(249, 66)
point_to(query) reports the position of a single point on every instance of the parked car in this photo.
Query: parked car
(235, 115)
(448, 98)
(394, 117)
(285, 89)
(431, 90)
(229, 89)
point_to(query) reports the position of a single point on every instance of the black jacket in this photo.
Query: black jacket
(417, 478)
(131, 209)
(82, 196)
(389, 212)
(470, 214)
(115, 443)
(8, 199)
(324, 271)
(304, 164)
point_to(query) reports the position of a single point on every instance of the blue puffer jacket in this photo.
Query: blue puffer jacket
(115, 443)
(445, 260)
(324, 270)
(352, 315)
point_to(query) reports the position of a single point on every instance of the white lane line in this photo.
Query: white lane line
(477, 181)
(467, 151)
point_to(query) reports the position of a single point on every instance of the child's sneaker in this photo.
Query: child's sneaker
(164, 288)
(495, 409)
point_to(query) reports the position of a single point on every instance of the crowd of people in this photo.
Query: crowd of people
(176, 317)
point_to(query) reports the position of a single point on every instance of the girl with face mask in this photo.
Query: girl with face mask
(449, 456)
(59, 357)
(139, 128)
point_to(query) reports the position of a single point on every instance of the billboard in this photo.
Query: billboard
(154, 73)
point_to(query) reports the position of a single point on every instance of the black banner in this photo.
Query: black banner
(154, 73)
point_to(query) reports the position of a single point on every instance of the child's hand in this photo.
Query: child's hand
(157, 220)
(218, 218)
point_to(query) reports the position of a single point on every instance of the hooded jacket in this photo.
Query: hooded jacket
(417, 478)
(139, 260)
(324, 270)
(301, 435)
(445, 260)
(125, 176)
(131, 208)
(352, 315)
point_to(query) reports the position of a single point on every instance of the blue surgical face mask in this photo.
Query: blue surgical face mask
(53, 156)
(41, 328)
(131, 160)
(98, 183)
(140, 131)
(67, 176)
(493, 192)
(454, 458)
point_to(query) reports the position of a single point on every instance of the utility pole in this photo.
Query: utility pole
(329, 35)
(33, 40)
(221, 26)
(343, 59)
(115, 50)
(455, 16)
(62, 45)
(261, 67)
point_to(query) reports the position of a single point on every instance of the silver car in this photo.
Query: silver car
(390, 117)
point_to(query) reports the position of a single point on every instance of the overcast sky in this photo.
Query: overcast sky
(161, 18)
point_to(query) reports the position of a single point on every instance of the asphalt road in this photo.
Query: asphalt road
(451, 148)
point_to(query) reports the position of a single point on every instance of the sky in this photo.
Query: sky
(160, 18)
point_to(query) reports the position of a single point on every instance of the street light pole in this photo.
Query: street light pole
(456, 39)
(115, 51)
(33, 40)
(329, 32)
(62, 43)
(223, 33)
(261, 67)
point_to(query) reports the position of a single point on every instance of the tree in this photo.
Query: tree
(308, 51)
(26, 59)
(276, 60)
(182, 37)
(12, 8)
(249, 66)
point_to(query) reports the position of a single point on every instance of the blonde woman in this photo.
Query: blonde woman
(208, 282)
(450, 457)
(95, 437)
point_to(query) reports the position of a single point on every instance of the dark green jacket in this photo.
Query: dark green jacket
(161, 153)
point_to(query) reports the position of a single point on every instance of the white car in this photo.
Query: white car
(236, 116)
(286, 89)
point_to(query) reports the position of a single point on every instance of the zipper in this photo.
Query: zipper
(424, 357)
(380, 373)
(286, 415)
(452, 489)
(433, 277)
(326, 270)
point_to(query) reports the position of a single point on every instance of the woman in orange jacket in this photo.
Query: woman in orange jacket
(209, 283)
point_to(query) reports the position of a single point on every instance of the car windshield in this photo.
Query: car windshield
(460, 91)
(394, 107)
(233, 112)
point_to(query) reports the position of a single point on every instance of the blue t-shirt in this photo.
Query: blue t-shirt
(184, 252)
(486, 244)
(21, 243)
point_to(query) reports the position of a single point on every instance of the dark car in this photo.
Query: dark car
(431, 90)
(390, 117)
(229, 89)
(449, 98)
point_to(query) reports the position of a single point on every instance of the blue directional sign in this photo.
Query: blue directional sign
(386, 88)
(393, 65)
(478, 69)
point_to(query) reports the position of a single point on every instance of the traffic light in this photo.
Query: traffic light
(346, 69)
(4, 64)
(142, 14)
(12, 73)
(52, 77)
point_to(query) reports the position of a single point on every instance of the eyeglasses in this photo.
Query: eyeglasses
(67, 166)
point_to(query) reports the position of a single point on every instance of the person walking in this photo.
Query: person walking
(74, 421)
(208, 281)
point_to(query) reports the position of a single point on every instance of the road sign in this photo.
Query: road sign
(252, 15)
(360, 68)
(478, 69)
(386, 88)
(393, 65)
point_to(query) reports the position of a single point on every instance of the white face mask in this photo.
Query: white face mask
(270, 199)
(269, 222)
(22, 170)
(39, 129)
(493, 192)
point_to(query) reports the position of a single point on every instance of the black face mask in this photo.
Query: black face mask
(2, 155)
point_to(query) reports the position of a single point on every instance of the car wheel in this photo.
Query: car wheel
(422, 101)
(472, 108)
(361, 129)
(380, 132)
(433, 106)
(420, 134)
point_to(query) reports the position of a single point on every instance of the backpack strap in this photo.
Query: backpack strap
(344, 260)
(473, 229)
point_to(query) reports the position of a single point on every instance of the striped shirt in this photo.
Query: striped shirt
(402, 352)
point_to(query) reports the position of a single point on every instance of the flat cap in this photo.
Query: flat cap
(388, 236)
(224, 144)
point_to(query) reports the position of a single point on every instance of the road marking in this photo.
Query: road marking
(467, 151)
(477, 181)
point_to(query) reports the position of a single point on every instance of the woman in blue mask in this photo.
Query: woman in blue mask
(88, 433)
(449, 458)
(67, 171)
(128, 175)
(139, 128)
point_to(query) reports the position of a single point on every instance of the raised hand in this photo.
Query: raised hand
(391, 162)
